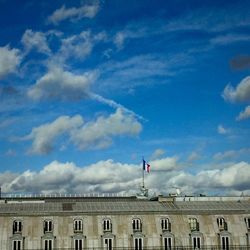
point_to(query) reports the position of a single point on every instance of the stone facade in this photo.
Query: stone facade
(110, 223)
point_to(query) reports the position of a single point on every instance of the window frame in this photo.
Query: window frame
(17, 247)
(48, 246)
(222, 225)
(17, 227)
(48, 226)
(107, 225)
(138, 246)
(196, 242)
(224, 242)
(78, 225)
(165, 224)
(107, 245)
(79, 247)
(247, 221)
(193, 224)
(136, 224)
(168, 246)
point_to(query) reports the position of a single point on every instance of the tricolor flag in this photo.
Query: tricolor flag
(145, 165)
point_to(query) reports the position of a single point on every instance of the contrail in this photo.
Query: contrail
(113, 104)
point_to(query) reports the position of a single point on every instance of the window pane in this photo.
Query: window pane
(136, 244)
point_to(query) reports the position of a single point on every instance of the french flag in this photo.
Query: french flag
(146, 166)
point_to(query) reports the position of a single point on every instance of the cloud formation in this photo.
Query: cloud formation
(44, 136)
(35, 40)
(234, 177)
(73, 14)
(96, 134)
(62, 85)
(222, 130)
(231, 154)
(239, 94)
(9, 60)
(245, 114)
(158, 153)
(116, 177)
(78, 46)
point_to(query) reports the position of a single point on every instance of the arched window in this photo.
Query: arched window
(136, 225)
(107, 225)
(193, 223)
(221, 223)
(165, 224)
(78, 225)
(17, 245)
(17, 226)
(47, 226)
(247, 220)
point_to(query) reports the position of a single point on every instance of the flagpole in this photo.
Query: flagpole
(143, 172)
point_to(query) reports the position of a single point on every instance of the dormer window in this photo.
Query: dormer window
(247, 220)
(107, 225)
(47, 226)
(137, 225)
(17, 226)
(194, 225)
(78, 226)
(221, 223)
(165, 224)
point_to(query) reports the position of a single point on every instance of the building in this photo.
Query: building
(124, 223)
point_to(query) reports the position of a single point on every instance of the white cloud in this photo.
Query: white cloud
(62, 85)
(115, 177)
(44, 136)
(67, 177)
(86, 11)
(35, 40)
(78, 46)
(230, 154)
(234, 177)
(157, 153)
(98, 134)
(222, 130)
(239, 94)
(9, 60)
(230, 38)
(164, 164)
(128, 33)
(141, 70)
(93, 134)
(193, 157)
(245, 114)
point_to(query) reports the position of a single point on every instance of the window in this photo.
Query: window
(108, 244)
(107, 225)
(16, 245)
(47, 226)
(78, 226)
(138, 244)
(194, 225)
(167, 243)
(196, 242)
(165, 225)
(136, 224)
(247, 220)
(17, 226)
(222, 223)
(48, 244)
(224, 242)
(78, 244)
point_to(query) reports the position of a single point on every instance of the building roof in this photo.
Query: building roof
(118, 205)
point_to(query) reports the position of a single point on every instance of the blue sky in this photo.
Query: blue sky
(89, 87)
